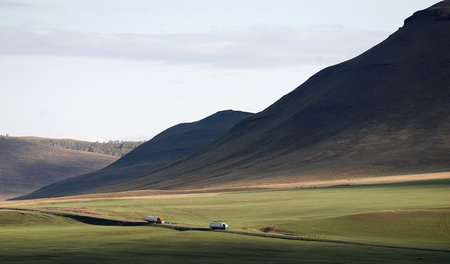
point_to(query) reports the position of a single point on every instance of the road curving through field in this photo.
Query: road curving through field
(99, 219)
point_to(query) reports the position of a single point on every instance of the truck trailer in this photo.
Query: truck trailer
(154, 219)
(218, 225)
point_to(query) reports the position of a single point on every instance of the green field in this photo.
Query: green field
(409, 214)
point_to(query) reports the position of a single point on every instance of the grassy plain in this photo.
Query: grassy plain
(414, 214)
(404, 213)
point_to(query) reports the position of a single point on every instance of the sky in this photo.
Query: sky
(104, 70)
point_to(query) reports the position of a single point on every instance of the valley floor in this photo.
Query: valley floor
(410, 214)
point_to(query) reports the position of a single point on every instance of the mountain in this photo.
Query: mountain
(384, 112)
(26, 166)
(170, 145)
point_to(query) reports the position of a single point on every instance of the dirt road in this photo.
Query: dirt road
(99, 219)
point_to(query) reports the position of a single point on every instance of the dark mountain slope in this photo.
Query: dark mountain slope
(384, 112)
(168, 146)
(26, 166)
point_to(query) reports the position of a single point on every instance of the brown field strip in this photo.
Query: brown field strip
(249, 186)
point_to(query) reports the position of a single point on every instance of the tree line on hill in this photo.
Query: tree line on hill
(116, 148)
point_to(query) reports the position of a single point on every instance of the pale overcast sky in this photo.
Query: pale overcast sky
(101, 70)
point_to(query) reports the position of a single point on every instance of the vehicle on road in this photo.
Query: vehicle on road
(218, 225)
(154, 219)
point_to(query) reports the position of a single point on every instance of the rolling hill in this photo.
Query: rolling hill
(170, 145)
(112, 147)
(26, 166)
(384, 112)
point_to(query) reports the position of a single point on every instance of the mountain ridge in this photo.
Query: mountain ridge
(168, 146)
(382, 112)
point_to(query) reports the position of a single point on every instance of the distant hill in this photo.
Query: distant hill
(27, 166)
(170, 145)
(113, 147)
(384, 112)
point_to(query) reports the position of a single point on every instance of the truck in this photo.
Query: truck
(154, 219)
(218, 225)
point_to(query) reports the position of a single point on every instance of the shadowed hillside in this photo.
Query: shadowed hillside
(381, 113)
(26, 166)
(168, 146)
